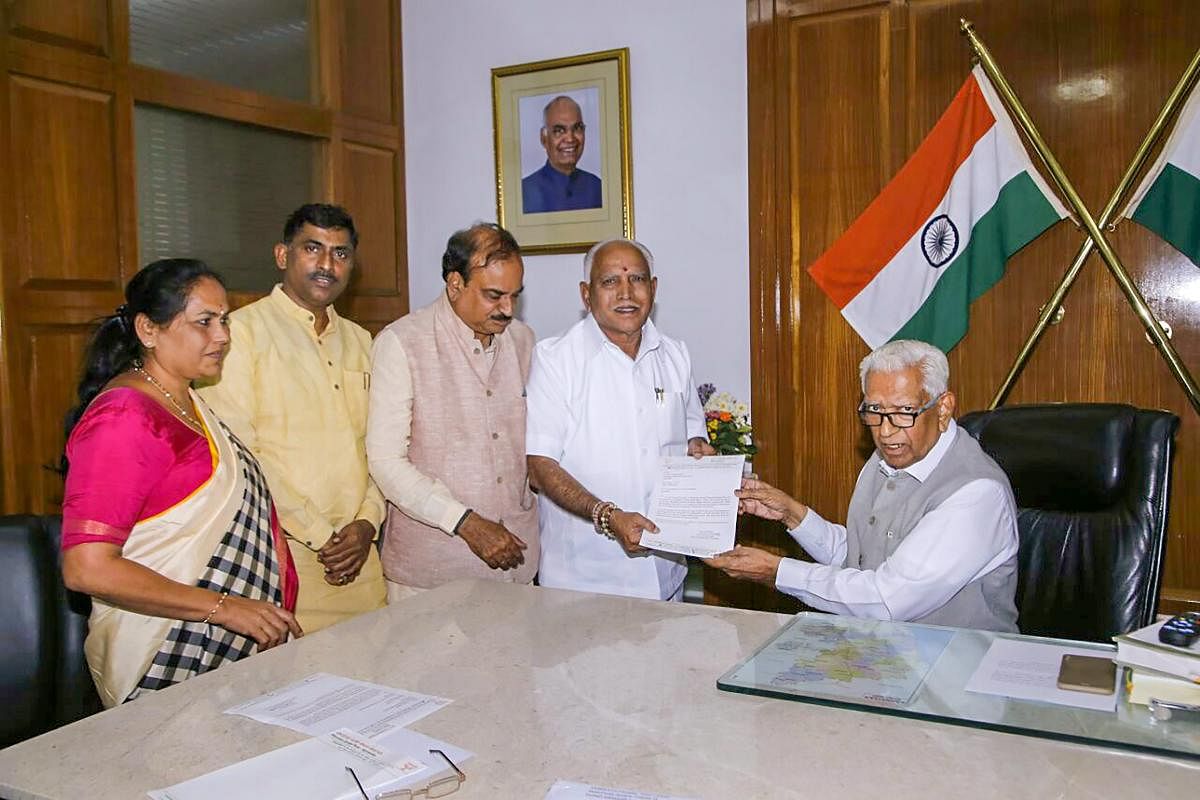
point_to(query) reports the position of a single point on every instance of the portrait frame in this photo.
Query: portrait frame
(599, 83)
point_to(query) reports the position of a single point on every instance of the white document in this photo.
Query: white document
(315, 769)
(694, 505)
(322, 703)
(569, 790)
(1029, 671)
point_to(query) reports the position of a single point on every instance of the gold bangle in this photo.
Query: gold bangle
(220, 602)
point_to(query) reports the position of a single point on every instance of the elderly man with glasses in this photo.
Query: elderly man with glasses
(931, 533)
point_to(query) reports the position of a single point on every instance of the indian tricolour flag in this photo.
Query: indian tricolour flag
(1168, 199)
(938, 235)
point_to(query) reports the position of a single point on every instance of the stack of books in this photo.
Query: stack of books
(1158, 670)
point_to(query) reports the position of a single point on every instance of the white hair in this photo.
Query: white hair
(598, 246)
(905, 354)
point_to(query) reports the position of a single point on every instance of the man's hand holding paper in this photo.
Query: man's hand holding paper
(694, 505)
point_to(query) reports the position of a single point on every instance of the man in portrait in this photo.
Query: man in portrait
(294, 390)
(446, 433)
(560, 185)
(931, 533)
(607, 399)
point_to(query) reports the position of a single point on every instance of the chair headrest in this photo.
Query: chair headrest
(1059, 457)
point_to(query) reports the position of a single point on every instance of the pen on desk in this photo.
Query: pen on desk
(358, 783)
(1162, 710)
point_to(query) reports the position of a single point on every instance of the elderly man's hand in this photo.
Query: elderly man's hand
(748, 564)
(346, 552)
(698, 447)
(763, 500)
(627, 527)
(492, 542)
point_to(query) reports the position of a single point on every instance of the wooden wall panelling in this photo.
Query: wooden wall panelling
(370, 189)
(54, 355)
(75, 24)
(8, 423)
(368, 161)
(1092, 75)
(63, 138)
(370, 32)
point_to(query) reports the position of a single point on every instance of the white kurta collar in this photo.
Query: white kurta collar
(597, 339)
(925, 467)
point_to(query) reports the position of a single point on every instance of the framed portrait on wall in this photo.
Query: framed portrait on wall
(563, 177)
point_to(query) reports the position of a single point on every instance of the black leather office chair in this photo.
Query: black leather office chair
(44, 679)
(1092, 483)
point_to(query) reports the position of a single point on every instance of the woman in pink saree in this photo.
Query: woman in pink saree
(167, 520)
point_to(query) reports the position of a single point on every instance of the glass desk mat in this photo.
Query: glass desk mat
(920, 671)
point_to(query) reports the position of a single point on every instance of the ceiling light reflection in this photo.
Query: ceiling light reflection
(1084, 90)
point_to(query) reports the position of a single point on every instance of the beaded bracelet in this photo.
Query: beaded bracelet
(606, 518)
(599, 512)
(220, 602)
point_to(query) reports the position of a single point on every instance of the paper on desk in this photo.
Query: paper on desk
(569, 790)
(1029, 671)
(316, 768)
(322, 703)
(693, 505)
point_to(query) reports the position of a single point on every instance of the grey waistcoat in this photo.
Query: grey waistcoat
(884, 510)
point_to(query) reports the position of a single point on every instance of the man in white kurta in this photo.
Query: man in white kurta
(606, 399)
(931, 532)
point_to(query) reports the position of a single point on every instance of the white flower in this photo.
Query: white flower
(724, 401)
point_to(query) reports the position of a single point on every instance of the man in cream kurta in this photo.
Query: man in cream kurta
(606, 400)
(446, 430)
(294, 390)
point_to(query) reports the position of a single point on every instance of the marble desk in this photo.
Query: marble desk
(611, 691)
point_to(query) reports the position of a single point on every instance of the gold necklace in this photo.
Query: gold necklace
(187, 418)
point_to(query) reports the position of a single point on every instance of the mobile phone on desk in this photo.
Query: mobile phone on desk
(1095, 674)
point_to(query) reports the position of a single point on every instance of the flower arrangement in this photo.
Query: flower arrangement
(728, 422)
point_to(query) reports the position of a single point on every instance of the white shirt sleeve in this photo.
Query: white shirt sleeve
(389, 432)
(971, 533)
(546, 408)
(825, 541)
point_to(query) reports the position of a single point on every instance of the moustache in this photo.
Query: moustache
(501, 318)
(329, 276)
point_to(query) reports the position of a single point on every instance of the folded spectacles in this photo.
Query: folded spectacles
(434, 789)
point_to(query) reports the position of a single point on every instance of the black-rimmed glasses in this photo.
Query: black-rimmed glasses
(898, 419)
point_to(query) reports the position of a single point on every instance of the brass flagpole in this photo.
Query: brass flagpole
(1176, 98)
(1073, 200)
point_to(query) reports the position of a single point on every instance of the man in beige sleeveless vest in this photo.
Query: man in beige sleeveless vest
(446, 427)
(931, 534)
